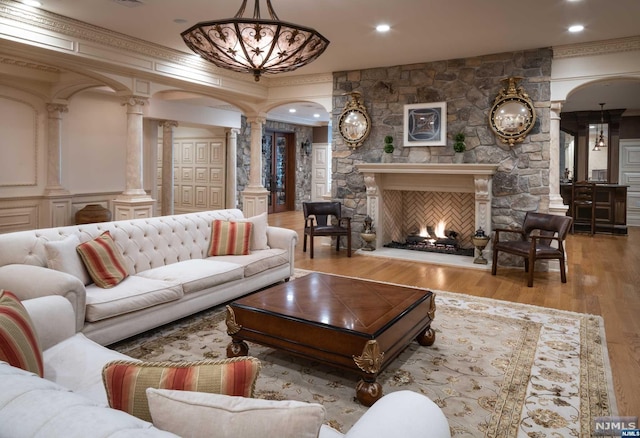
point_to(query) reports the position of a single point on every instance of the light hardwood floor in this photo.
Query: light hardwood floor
(603, 279)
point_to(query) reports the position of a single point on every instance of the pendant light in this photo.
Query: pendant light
(255, 45)
(600, 143)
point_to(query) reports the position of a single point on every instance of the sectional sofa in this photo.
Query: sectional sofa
(70, 400)
(169, 273)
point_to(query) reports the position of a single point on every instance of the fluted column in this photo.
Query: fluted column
(134, 202)
(255, 196)
(167, 166)
(556, 206)
(232, 169)
(54, 150)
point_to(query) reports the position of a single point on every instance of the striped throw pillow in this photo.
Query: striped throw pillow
(230, 238)
(104, 261)
(19, 344)
(126, 382)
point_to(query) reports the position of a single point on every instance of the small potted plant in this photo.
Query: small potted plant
(388, 149)
(459, 147)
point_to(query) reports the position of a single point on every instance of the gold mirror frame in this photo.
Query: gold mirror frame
(354, 123)
(512, 115)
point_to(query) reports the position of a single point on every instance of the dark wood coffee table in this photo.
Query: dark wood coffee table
(349, 323)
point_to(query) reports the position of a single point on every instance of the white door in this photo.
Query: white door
(320, 171)
(630, 176)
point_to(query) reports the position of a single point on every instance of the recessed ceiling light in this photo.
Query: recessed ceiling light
(576, 28)
(316, 115)
(292, 110)
(383, 28)
(33, 3)
(180, 20)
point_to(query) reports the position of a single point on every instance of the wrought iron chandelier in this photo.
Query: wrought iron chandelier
(600, 143)
(255, 45)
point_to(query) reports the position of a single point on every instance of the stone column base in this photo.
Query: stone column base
(133, 208)
(255, 201)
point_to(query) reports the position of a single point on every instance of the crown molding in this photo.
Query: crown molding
(287, 81)
(31, 65)
(597, 48)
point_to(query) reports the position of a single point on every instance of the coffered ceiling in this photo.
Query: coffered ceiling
(421, 30)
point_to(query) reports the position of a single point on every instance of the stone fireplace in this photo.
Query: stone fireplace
(404, 196)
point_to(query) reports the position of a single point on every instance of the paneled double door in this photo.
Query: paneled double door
(198, 174)
(278, 170)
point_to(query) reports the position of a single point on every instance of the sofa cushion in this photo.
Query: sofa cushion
(133, 294)
(195, 415)
(126, 381)
(258, 261)
(258, 232)
(62, 256)
(37, 408)
(76, 363)
(103, 260)
(197, 274)
(230, 238)
(19, 344)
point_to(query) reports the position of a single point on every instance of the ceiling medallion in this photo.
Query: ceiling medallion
(255, 45)
(512, 115)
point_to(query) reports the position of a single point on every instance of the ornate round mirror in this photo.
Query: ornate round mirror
(354, 124)
(512, 115)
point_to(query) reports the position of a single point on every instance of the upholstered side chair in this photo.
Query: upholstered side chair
(325, 219)
(535, 242)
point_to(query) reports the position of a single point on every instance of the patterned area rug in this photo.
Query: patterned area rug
(497, 369)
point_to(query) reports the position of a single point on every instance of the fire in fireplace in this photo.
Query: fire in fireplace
(433, 239)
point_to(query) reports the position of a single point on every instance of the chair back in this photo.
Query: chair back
(322, 210)
(583, 193)
(548, 224)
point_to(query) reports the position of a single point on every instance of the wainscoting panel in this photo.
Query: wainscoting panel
(18, 218)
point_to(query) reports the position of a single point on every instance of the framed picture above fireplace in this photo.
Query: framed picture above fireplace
(425, 124)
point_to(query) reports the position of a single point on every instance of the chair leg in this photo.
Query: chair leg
(311, 239)
(304, 243)
(563, 271)
(349, 245)
(337, 243)
(532, 267)
(494, 265)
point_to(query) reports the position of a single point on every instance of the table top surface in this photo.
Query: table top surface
(342, 303)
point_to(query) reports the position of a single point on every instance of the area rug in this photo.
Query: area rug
(497, 369)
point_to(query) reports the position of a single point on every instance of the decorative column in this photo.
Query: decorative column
(483, 190)
(231, 183)
(556, 206)
(167, 166)
(58, 203)
(255, 196)
(134, 202)
(373, 207)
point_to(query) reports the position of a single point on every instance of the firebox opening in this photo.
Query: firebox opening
(433, 239)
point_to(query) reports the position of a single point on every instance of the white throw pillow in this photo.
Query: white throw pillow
(62, 256)
(259, 232)
(196, 414)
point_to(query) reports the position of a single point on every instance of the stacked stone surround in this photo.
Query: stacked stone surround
(469, 87)
(303, 162)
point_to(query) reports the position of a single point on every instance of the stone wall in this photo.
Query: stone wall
(469, 87)
(303, 162)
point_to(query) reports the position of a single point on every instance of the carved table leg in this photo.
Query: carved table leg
(368, 391)
(370, 361)
(237, 348)
(427, 338)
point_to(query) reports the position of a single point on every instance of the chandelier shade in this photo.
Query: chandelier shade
(600, 143)
(255, 45)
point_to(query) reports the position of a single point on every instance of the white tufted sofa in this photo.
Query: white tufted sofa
(170, 275)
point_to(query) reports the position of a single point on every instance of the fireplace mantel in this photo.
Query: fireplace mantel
(433, 177)
(428, 168)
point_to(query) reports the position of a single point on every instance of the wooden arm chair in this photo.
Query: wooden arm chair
(583, 199)
(538, 231)
(317, 222)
